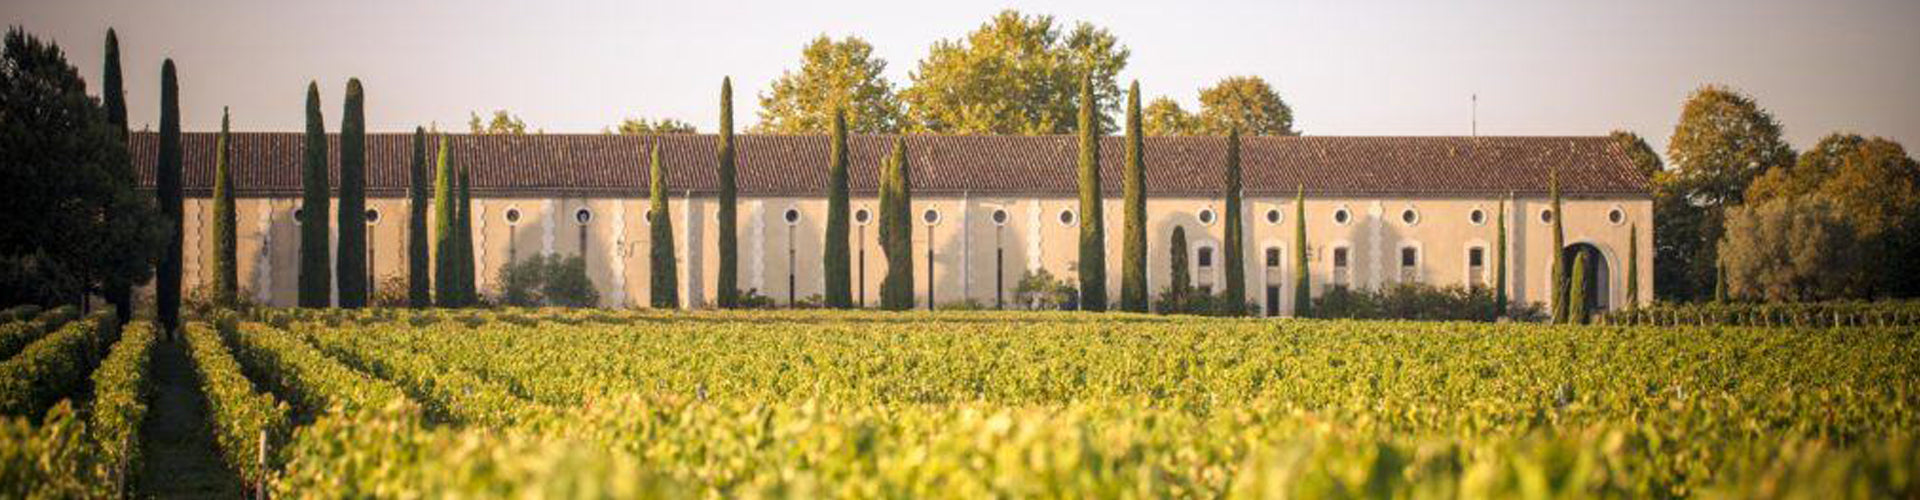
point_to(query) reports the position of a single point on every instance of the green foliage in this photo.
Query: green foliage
(446, 219)
(226, 243)
(500, 122)
(316, 278)
(643, 126)
(1638, 152)
(238, 415)
(1179, 275)
(1633, 266)
(896, 228)
(121, 388)
(17, 334)
(1039, 290)
(314, 383)
(1244, 103)
(1165, 117)
(1235, 290)
(663, 269)
(728, 291)
(419, 247)
(1888, 313)
(466, 290)
(53, 460)
(1722, 142)
(113, 92)
(1872, 185)
(1015, 74)
(1133, 239)
(53, 367)
(1795, 249)
(548, 280)
(1559, 284)
(168, 172)
(1302, 274)
(1577, 312)
(837, 267)
(838, 80)
(1500, 261)
(1418, 301)
(351, 252)
(118, 290)
(1093, 233)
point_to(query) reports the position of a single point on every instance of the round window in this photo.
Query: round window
(373, 216)
(513, 215)
(1342, 217)
(792, 216)
(930, 216)
(1477, 217)
(1207, 216)
(862, 216)
(1410, 216)
(1000, 217)
(1066, 217)
(299, 214)
(646, 216)
(583, 216)
(1546, 216)
(1616, 216)
(1273, 216)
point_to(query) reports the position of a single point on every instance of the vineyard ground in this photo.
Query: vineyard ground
(184, 462)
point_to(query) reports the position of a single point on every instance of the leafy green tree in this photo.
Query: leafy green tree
(838, 258)
(115, 290)
(1794, 249)
(446, 249)
(643, 126)
(839, 79)
(1179, 273)
(896, 229)
(501, 122)
(1165, 117)
(1875, 186)
(167, 174)
(1235, 298)
(468, 289)
(1633, 266)
(1500, 263)
(1723, 141)
(1015, 74)
(72, 220)
(1577, 291)
(1644, 159)
(729, 291)
(226, 244)
(1559, 288)
(1247, 104)
(1302, 276)
(419, 252)
(1133, 242)
(316, 278)
(662, 268)
(1093, 234)
(350, 256)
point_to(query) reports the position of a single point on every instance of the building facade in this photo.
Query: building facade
(987, 210)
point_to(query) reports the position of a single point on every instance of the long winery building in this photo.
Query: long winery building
(986, 211)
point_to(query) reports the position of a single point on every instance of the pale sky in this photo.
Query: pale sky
(1346, 67)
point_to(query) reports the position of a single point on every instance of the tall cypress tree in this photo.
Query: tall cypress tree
(729, 292)
(1633, 266)
(1302, 280)
(838, 258)
(113, 95)
(1181, 275)
(1500, 265)
(1559, 249)
(1577, 291)
(1133, 243)
(316, 278)
(351, 256)
(446, 252)
(1093, 234)
(664, 291)
(226, 253)
(167, 184)
(1235, 253)
(896, 229)
(468, 286)
(419, 252)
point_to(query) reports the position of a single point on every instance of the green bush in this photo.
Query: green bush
(547, 280)
(1039, 290)
(120, 389)
(1418, 301)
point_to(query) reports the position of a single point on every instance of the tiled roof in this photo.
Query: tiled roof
(268, 164)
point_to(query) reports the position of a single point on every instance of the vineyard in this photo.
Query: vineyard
(556, 403)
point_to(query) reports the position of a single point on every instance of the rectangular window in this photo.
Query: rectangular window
(1340, 266)
(1476, 257)
(1206, 257)
(1409, 257)
(1273, 257)
(1476, 266)
(1340, 257)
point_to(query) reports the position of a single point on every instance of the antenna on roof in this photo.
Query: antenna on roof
(1476, 115)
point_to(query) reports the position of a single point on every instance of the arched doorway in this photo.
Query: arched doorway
(1598, 275)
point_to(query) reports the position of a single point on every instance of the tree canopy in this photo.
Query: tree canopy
(501, 122)
(643, 126)
(833, 74)
(1644, 159)
(1245, 103)
(1015, 74)
(1873, 187)
(1723, 141)
(1164, 116)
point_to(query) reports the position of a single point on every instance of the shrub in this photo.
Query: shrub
(1417, 301)
(547, 280)
(395, 291)
(1039, 290)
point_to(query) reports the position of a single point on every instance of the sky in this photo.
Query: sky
(1547, 67)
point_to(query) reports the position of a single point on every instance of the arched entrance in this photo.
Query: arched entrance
(1598, 275)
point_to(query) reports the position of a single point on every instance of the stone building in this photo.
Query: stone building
(987, 209)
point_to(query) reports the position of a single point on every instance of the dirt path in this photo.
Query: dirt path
(182, 460)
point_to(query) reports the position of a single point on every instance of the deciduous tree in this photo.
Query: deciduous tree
(836, 78)
(1723, 141)
(1247, 104)
(643, 126)
(501, 122)
(1015, 74)
(1164, 117)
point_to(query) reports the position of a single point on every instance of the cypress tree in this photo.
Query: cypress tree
(838, 258)
(468, 286)
(351, 256)
(226, 253)
(1133, 243)
(1577, 293)
(1178, 272)
(1235, 253)
(1302, 280)
(662, 269)
(729, 292)
(167, 175)
(1500, 264)
(1093, 234)
(1633, 266)
(1559, 249)
(1719, 284)
(419, 251)
(113, 95)
(316, 278)
(896, 229)
(446, 253)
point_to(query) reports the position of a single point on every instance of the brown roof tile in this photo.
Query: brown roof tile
(268, 164)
